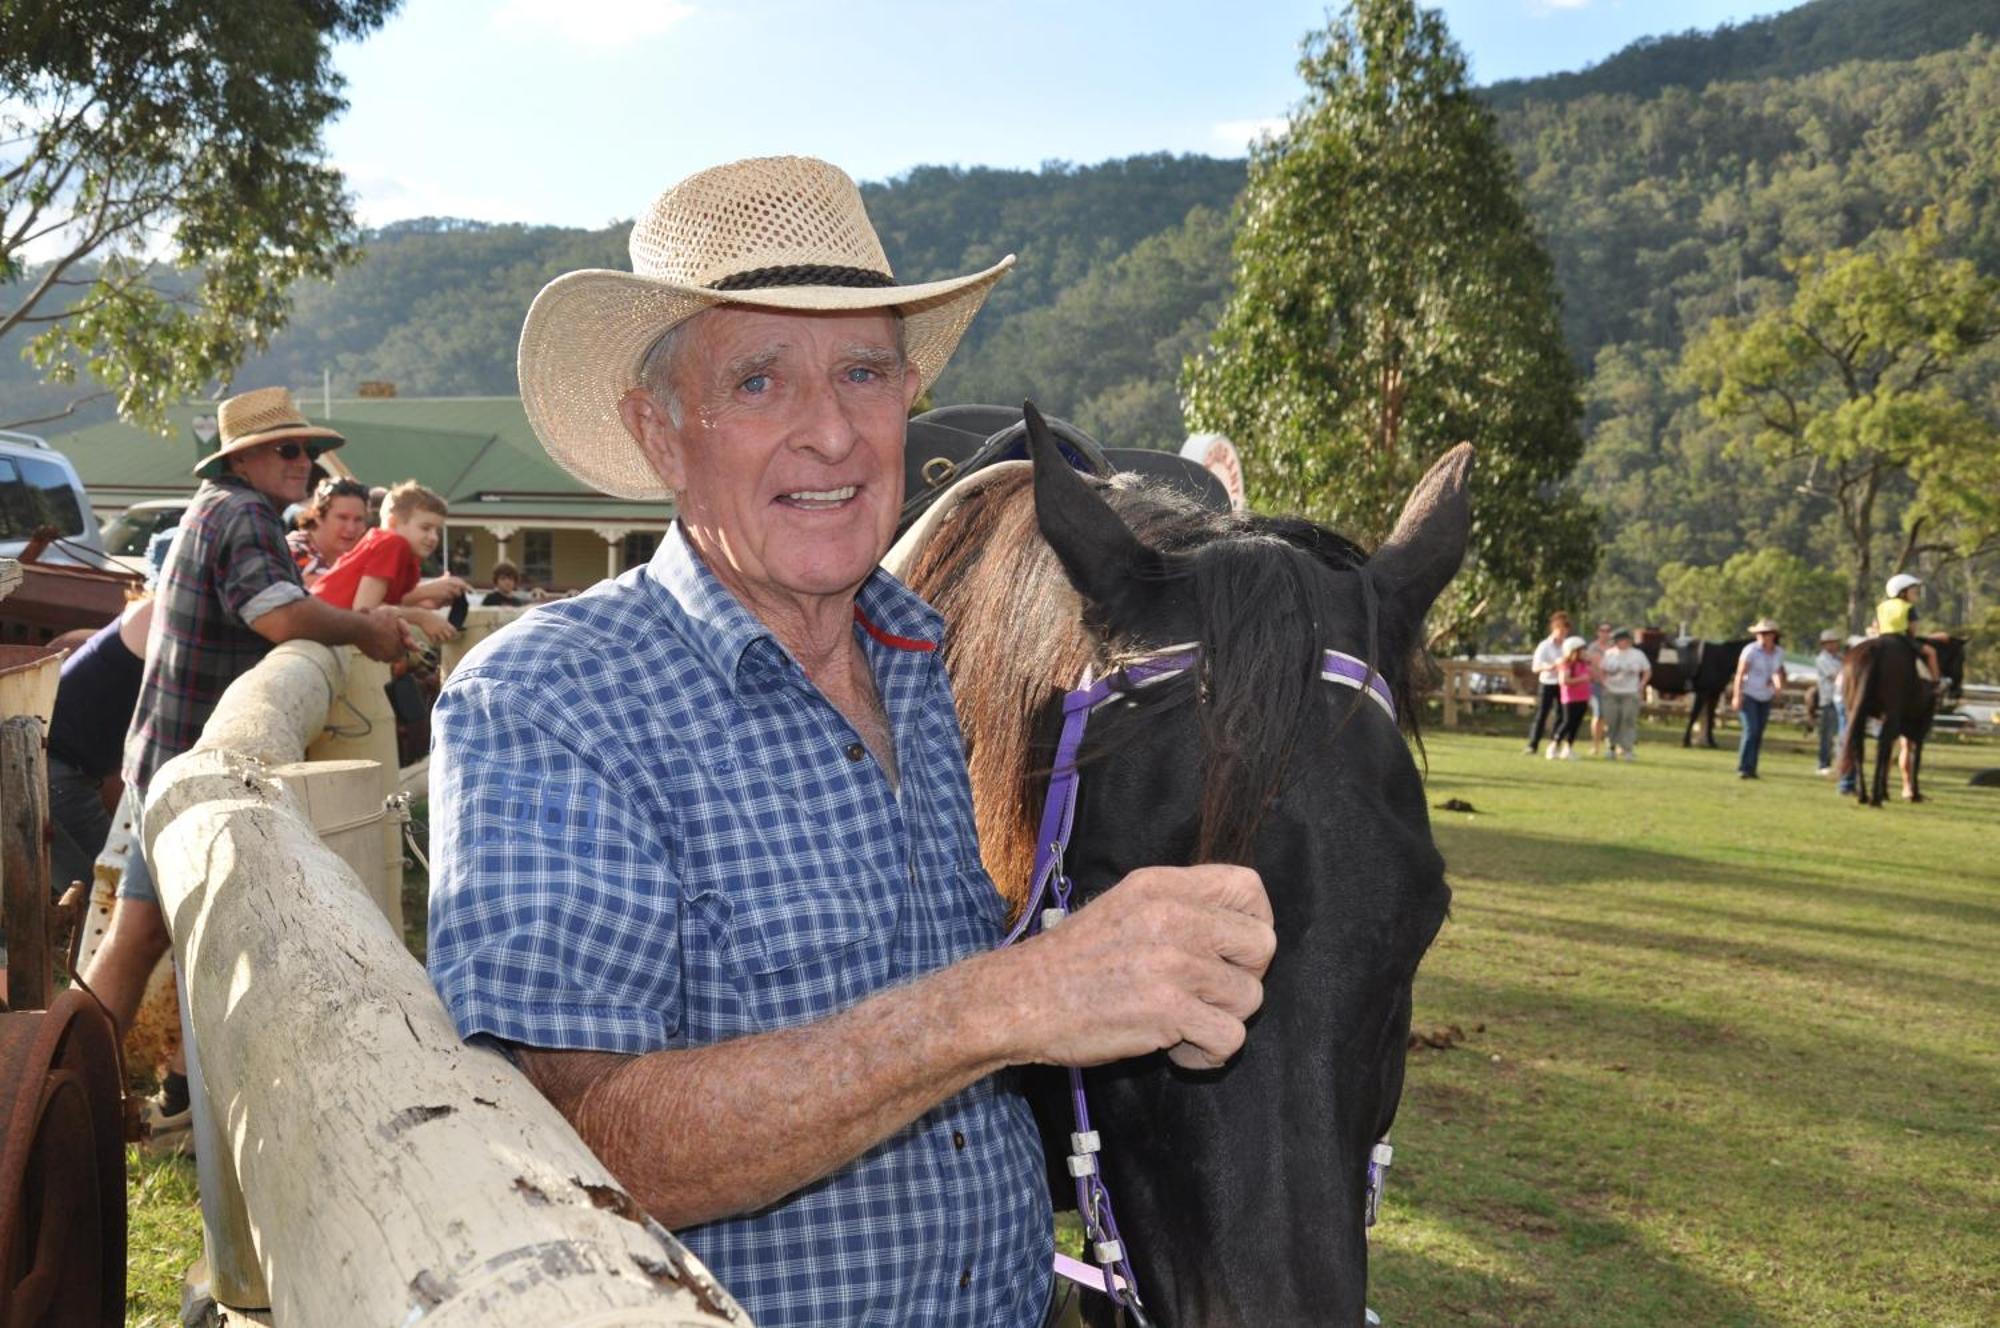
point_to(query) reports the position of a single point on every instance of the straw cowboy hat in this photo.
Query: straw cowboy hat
(773, 232)
(1762, 625)
(266, 415)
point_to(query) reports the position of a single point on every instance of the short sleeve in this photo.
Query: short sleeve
(255, 572)
(395, 562)
(555, 905)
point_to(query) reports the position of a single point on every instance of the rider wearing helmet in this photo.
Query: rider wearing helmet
(1894, 617)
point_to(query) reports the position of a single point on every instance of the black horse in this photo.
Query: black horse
(1700, 669)
(1880, 680)
(1239, 1192)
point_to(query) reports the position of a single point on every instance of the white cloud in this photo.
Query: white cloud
(1543, 8)
(381, 197)
(600, 24)
(1242, 133)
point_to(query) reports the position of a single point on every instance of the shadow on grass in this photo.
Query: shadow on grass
(1490, 852)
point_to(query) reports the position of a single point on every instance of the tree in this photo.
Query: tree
(1848, 383)
(1391, 299)
(1717, 603)
(162, 184)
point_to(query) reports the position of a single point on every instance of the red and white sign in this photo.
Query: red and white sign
(1218, 455)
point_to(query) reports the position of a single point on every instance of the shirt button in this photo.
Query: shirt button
(855, 751)
(965, 1279)
(958, 1138)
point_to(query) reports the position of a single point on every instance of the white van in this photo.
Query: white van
(39, 487)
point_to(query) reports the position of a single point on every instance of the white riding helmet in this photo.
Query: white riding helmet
(1901, 582)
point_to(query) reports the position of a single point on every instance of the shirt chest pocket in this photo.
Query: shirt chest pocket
(805, 951)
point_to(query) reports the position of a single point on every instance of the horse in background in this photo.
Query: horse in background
(1701, 670)
(1880, 679)
(1240, 1192)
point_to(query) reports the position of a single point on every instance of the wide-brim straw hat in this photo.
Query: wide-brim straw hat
(264, 415)
(1762, 625)
(770, 232)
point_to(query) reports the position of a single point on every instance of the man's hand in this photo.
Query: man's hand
(1736, 700)
(1169, 957)
(385, 638)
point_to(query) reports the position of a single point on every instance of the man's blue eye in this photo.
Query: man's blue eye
(860, 374)
(756, 382)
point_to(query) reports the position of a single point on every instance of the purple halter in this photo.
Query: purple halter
(1113, 1273)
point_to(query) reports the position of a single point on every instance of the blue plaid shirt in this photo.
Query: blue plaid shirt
(650, 830)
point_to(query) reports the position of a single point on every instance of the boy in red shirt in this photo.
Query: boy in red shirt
(386, 566)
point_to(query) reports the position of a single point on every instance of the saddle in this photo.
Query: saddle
(953, 443)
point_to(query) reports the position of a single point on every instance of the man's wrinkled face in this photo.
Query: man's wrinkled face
(788, 459)
(266, 470)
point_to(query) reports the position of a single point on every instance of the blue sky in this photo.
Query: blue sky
(576, 112)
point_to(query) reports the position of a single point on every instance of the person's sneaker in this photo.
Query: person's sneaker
(1529, 751)
(1549, 754)
(166, 1135)
(1746, 774)
(1824, 771)
(1631, 756)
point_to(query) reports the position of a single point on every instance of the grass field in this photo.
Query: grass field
(1719, 1054)
(1723, 1053)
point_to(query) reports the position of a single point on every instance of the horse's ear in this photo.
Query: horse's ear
(1119, 578)
(1423, 553)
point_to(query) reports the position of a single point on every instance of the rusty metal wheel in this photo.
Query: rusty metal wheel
(62, 1168)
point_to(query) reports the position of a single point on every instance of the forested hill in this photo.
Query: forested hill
(1799, 41)
(1679, 194)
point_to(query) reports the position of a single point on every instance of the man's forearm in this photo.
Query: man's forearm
(312, 619)
(708, 1132)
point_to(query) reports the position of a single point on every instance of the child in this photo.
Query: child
(1573, 672)
(386, 567)
(506, 592)
(1895, 616)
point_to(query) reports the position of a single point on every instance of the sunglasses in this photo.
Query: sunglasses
(292, 449)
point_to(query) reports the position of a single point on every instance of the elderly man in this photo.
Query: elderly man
(704, 855)
(230, 590)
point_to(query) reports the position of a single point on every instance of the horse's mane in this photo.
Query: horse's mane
(1264, 606)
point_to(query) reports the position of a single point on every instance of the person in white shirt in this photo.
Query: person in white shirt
(1625, 671)
(1547, 664)
(1760, 676)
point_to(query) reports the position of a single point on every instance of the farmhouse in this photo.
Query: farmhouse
(509, 502)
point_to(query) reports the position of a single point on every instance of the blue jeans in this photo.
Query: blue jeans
(1831, 726)
(1755, 715)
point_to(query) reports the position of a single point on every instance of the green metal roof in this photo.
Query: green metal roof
(479, 452)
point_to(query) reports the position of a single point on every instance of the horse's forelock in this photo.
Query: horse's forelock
(1266, 601)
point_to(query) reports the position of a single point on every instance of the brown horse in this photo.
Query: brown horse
(1240, 1192)
(1880, 680)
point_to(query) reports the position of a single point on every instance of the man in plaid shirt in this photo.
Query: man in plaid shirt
(229, 592)
(704, 861)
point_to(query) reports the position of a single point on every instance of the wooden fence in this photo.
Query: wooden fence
(359, 1164)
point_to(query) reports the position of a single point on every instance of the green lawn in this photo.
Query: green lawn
(1724, 1054)
(1730, 1053)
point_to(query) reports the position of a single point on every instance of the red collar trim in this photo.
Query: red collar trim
(893, 642)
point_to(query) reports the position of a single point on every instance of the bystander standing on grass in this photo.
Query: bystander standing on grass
(1760, 675)
(1573, 688)
(1826, 666)
(1623, 671)
(1547, 664)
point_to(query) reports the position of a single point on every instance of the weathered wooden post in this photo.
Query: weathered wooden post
(389, 1173)
(24, 861)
